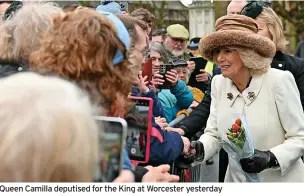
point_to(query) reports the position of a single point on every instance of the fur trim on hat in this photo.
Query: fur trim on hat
(236, 31)
(264, 46)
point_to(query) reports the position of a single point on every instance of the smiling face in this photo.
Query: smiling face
(229, 61)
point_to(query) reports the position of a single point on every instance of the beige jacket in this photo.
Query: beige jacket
(275, 118)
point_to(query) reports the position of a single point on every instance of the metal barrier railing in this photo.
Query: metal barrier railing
(185, 171)
(180, 118)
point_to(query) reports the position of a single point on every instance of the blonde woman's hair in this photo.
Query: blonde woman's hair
(47, 132)
(20, 35)
(275, 27)
(257, 64)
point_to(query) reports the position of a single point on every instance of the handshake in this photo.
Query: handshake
(195, 150)
(192, 151)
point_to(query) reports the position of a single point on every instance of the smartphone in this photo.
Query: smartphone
(162, 71)
(147, 69)
(112, 137)
(200, 63)
(139, 121)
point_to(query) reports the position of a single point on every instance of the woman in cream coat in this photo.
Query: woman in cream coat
(268, 98)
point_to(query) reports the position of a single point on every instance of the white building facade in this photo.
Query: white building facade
(201, 18)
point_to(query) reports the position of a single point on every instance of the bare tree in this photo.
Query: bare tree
(160, 13)
(294, 15)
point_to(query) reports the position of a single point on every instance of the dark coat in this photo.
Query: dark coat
(299, 52)
(8, 68)
(293, 64)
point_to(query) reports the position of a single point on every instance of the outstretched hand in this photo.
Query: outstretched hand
(197, 152)
(159, 174)
(142, 82)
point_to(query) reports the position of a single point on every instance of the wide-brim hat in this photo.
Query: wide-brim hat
(236, 31)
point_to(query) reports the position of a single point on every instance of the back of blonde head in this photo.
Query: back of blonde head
(275, 27)
(47, 132)
(20, 35)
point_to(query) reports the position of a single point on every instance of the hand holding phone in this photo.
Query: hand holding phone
(158, 79)
(163, 71)
(203, 76)
(139, 120)
(172, 77)
(191, 65)
(200, 63)
(111, 147)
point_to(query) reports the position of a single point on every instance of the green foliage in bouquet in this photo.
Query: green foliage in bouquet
(237, 135)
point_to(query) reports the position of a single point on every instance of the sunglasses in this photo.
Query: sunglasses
(254, 8)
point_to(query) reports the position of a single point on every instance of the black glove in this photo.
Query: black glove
(258, 162)
(199, 154)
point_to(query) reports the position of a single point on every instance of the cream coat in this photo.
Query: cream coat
(275, 119)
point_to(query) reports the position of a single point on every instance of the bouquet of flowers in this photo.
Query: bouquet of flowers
(236, 134)
(238, 144)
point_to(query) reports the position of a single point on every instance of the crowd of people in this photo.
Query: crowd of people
(61, 66)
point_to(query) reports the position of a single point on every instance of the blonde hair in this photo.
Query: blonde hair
(47, 131)
(20, 35)
(257, 64)
(275, 27)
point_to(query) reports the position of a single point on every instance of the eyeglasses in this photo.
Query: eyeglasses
(254, 8)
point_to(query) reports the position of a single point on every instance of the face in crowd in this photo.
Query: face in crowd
(183, 73)
(194, 51)
(157, 60)
(235, 6)
(139, 50)
(175, 45)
